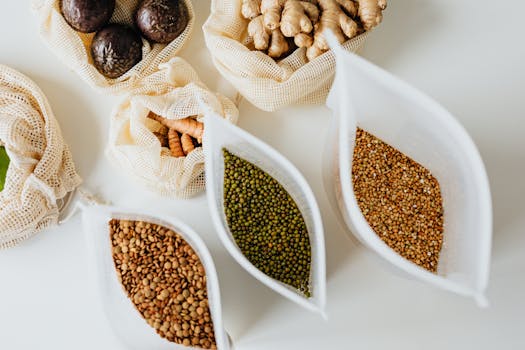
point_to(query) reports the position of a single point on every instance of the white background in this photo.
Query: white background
(468, 54)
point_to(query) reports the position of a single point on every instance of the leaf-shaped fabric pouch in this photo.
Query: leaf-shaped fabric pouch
(171, 282)
(276, 185)
(367, 97)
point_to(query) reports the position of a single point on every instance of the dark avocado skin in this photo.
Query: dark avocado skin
(162, 21)
(87, 16)
(115, 49)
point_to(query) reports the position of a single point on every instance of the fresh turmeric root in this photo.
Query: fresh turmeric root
(185, 126)
(187, 143)
(175, 144)
(163, 139)
(335, 19)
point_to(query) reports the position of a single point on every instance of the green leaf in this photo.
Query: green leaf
(4, 164)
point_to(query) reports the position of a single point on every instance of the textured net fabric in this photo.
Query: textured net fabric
(173, 92)
(41, 172)
(267, 84)
(73, 48)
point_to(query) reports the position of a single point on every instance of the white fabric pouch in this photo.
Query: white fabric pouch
(268, 84)
(173, 92)
(366, 96)
(41, 175)
(125, 320)
(73, 47)
(220, 134)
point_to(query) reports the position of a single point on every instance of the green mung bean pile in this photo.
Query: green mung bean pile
(266, 223)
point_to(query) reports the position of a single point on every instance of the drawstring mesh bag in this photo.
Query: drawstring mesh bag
(41, 172)
(73, 48)
(173, 92)
(268, 84)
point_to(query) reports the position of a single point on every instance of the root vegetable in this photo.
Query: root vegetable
(163, 138)
(272, 10)
(259, 33)
(174, 143)
(333, 18)
(303, 40)
(278, 45)
(307, 22)
(185, 126)
(187, 143)
(371, 12)
(298, 17)
(251, 8)
(265, 39)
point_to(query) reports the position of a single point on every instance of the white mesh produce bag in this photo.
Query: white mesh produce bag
(268, 84)
(366, 96)
(173, 92)
(219, 135)
(73, 48)
(41, 172)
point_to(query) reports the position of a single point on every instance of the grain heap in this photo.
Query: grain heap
(400, 199)
(165, 280)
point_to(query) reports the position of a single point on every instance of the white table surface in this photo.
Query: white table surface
(468, 54)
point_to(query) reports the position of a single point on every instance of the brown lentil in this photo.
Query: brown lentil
(160, 286)
(400, 200)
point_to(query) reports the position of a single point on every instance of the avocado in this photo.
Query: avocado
(115, 49)
(4, 166)
(162, 21)
(87, 16)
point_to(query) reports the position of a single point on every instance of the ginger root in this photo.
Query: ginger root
(371, 12)
(251, 8)
(175, 144)
(333, 18)
(265, 39)
(278, 45)
(298, 17)
(271, 11)
(187, 143)
(307, 21)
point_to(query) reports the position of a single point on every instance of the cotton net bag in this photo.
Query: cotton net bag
(173, 92)
(73, 48)
(268, 84)
(41, 173)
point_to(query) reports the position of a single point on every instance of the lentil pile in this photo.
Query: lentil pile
(266, 223)
(400, 199)
(165, 279)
